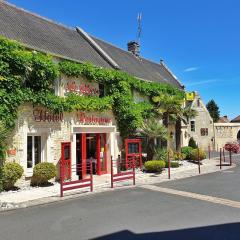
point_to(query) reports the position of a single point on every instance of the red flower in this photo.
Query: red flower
(232, 146)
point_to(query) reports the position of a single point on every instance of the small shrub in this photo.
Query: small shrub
(192, 143)
(43, 172)
(179, 156)
(174, 164)
(11, 172)
(154, 166)
(194, 154)
(161, 154)
(187, 152)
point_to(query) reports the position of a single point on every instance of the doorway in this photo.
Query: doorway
(238, 136)
(66, 159)
(91, 147)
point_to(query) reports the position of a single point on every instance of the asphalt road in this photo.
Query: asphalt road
(225, 184)
(134, 213)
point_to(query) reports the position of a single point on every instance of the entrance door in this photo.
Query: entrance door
(101, 153)
(81, 155)
(91, 147)
(133, 149)
(66, 159)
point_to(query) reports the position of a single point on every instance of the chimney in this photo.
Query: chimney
(133, 47)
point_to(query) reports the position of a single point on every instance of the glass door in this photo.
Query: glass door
(101, 153)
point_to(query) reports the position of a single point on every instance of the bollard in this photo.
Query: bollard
(209, 154)
(61, 178)
(224, 158)
(169, 166)
(220, 159)
(230, 156)
(199, 168)
(134, 173)
(111, 172)
(91, 176)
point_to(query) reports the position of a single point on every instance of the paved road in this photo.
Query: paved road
(225, 184)
(135, 213)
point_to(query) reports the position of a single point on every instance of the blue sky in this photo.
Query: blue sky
(198, 39)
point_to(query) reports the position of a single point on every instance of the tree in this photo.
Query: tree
(171, 109)
(3, 136)
(188, 113)
(213, 110)
(153, 129)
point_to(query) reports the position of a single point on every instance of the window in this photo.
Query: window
(204, 131)
(33, 151)
(101, 90)
(198, 103)
(192, 126)
(133, 148)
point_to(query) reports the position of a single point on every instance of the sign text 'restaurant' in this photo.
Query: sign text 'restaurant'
(91, 119)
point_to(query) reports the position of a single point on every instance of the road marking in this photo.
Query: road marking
(197, 196)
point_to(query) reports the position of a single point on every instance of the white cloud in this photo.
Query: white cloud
(203, 82)
(191, 69)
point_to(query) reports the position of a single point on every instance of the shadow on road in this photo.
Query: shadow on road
(229, 231)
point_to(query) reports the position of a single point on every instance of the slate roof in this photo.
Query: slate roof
(236, 120)
(138, 66)
(42, 34)
(223, 119)
(45, 35)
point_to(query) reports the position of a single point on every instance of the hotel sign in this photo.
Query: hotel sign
(190, 96)
(40, 115)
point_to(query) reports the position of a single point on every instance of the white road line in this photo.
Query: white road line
(197, 196)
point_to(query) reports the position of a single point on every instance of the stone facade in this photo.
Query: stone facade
(226, 132)
(55, 129)
(201, 127)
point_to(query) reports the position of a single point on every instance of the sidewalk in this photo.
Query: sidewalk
(29, 196)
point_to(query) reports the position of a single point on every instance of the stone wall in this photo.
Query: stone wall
(226, 132)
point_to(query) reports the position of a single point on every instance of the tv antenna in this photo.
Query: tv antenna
(139, 20)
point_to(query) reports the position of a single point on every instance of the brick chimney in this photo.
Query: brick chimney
(133, 47)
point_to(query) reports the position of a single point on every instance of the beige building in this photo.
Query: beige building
(77, 137)
(204, 131)
(201, 127)
(227, 131)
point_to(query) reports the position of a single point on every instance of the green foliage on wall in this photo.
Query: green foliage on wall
(28, 76)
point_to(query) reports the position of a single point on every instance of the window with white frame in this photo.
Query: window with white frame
(33, 151)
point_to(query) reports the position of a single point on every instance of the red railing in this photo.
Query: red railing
(68, 184)
(121, 175)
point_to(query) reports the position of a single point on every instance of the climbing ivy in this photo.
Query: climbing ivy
(28, 76)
